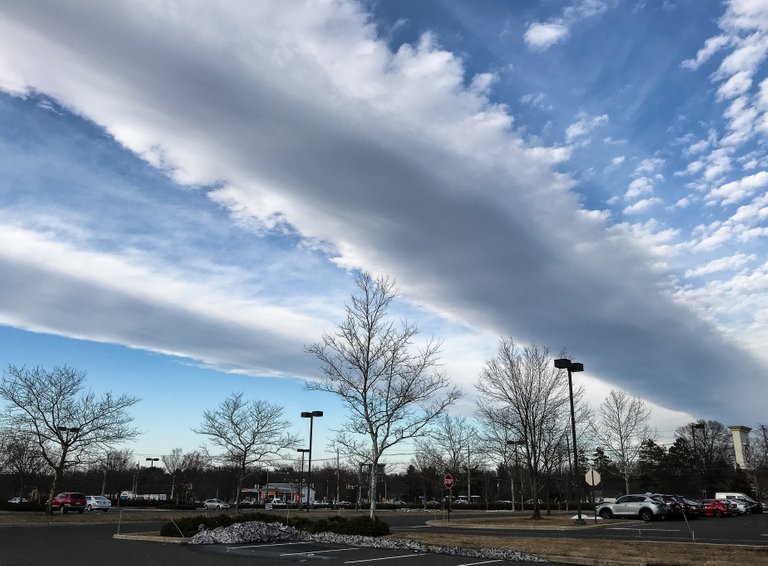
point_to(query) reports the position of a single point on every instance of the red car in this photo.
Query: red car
(716, 508)
(69, 501)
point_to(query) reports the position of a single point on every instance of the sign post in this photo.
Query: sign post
(592, 478)
(448, 483)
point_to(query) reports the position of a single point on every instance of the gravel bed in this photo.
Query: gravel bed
(256, 531)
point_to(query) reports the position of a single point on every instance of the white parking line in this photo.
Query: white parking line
(383, 558)
(318, 551)
(647, 530)
(266, 545)
(476, 563)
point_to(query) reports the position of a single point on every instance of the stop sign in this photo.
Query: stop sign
(448, 481)
(592, 477)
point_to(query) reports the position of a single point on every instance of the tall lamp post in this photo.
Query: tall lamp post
(302, 451)
(566, 364)
(517, 443)
(152, 467)
(311, 416)
(694, 427)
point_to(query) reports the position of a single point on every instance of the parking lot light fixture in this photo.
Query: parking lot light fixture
(571, 367)
(311, 416)
(302, 451)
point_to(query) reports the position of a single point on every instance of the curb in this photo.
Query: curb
(149, 537)
(582, 561)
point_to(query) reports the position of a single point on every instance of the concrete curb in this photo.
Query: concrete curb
(150, 537)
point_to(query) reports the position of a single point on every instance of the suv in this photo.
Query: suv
(643, 506)
(69, 501)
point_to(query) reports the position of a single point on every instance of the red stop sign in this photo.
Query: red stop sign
(448, 481)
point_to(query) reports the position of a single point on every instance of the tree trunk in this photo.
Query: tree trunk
(372, 488)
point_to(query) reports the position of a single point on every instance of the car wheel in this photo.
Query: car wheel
(718, 513)
(646, 515)
(89, 508)
(606, 513)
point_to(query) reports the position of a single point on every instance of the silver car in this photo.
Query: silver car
(634, 505)
(97, 503)
(215, 503)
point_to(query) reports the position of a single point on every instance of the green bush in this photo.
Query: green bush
(340, 525)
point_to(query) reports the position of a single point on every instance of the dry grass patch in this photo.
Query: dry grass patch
(645, 553)
(515, 522)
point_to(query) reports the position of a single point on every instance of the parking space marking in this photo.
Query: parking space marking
(476, 563)
(319, 551)
(266, 545)
(648, 530)
(383, 558)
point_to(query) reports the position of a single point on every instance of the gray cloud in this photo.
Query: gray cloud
(382, 156)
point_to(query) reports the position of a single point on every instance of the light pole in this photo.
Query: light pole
(694, 427)
(152, 473)
(566, 364)
(517, 443)
(311, 416)
(302, 451)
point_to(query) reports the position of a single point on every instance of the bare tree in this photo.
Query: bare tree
(20, 456)
(69, 425)
(521, 391)
(248, 433)
(391, 389)
(621, 428)
(116, 462)
(181, 466)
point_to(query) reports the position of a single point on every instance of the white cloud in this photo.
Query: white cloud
(584, 125)
(711, 46)
(648, 166)
(731, 263)
(735, 86)
(736, 191)
(542, 36)
(642, 206)
(639, 187)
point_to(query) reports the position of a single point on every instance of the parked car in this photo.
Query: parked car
(716, 508)
(69, 501)
(740, 506)
(633, 505)
(675, 508)
(215, 503)
(692, 509)
(97, 503)
(16, 500)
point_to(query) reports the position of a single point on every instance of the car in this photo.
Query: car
(675, 508)
(97, 503)
(69, 501)
(716, 508)
(644, 506)
(17, 500)
(741, 507)
(691, 509)
(461, 500)
(215, 503)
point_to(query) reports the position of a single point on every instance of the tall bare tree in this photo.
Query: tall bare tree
(391, 389)
(181, 466)
(69, 424)
(521, 391)
(620, 429)
(248, 433)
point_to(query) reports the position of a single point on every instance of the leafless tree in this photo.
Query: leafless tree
(391, 389)
(117, 463)
(521, 391)
(248, 433)
(68, 424)
(620, 429)
(20, 456)
(182, 466)
(452, 445)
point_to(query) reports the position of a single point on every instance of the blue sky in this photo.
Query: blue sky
(188, 191)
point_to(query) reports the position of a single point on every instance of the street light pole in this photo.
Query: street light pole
(311, 416)
(301, 476)
(565, 363)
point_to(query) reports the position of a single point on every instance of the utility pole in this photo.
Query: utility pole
(469, 480)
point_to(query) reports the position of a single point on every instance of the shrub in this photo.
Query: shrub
(28, 506)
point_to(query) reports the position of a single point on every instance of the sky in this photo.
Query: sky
(189, 189)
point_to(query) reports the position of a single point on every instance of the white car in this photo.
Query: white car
(215, 503)
(97, 503)
(18, 500)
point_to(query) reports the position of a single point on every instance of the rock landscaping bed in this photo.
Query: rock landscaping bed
(261, 532)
